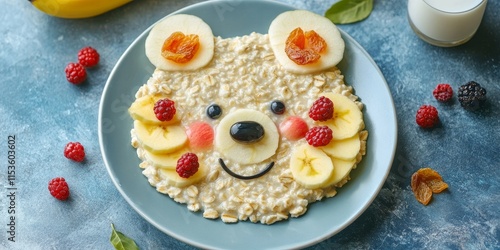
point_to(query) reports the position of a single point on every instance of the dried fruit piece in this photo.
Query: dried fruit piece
(304, 48)
(315, 41)
(425, 182)
(180, 48)
(423, 193)
(437, 186)
(429, 174)
(297, 38)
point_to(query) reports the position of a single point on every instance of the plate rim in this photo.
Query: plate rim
(191, 241)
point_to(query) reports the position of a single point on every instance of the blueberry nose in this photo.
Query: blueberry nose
(247, 132)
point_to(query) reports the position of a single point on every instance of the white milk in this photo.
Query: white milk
(445, 22)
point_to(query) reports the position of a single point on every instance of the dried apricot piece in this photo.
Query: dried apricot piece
(296, 38)
(315, 41)
(425, 182)
(415, 181)
(304, 48)
(437, 186)
(428, 174)
(301, 56)
(423, 193)
(180, 48)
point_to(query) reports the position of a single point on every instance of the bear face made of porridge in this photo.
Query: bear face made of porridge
(250, 121)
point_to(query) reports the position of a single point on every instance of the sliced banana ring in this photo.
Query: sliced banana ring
(281, 27)
(247, 153)
(187, 24)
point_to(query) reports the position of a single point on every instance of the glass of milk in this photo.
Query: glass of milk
(445, 23)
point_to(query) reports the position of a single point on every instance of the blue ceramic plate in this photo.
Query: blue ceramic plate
(323, 219)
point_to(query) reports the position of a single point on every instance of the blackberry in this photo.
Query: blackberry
(471, 95)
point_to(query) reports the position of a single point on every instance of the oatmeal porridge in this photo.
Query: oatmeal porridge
(243, 80)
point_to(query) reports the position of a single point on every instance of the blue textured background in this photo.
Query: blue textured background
(44, 112)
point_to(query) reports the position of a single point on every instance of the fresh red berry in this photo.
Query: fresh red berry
(75, 73)
(427, 116)
(88, 57)
(187, 165)
(322, 109)
(58, 188)
(164, 109)
(293, 128)
(74, 151)
(319, 136)
(443, 92)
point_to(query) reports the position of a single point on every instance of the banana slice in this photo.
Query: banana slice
(347, 118)
(173, 178)
(165, 161)
(187, 24)
(160, 139)
(285, 23)
(246, 153)
(345, 149)
(341, 169)
(142, 110)
(310, 166)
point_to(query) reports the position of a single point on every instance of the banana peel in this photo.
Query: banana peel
(74, 9)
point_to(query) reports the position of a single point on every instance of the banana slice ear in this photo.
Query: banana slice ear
(285, 23)
(187, 24)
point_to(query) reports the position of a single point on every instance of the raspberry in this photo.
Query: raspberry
(187, 165)
(427, 116)
(88, 57)
(58, 188)
(319, 136)
(322, 109)
(75, 73)
(164, 109)
(443, 92)
(74, 151)
(471, 95)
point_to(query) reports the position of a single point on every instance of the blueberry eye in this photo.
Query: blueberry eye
(278, 107)
(214, 111)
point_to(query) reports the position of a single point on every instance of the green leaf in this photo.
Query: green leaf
(120, 241)
(349, 11)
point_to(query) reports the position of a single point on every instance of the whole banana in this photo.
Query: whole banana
(77, 8)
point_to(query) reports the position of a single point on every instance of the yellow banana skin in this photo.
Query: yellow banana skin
(77, 8)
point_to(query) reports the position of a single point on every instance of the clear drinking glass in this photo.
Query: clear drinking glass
(445, 23)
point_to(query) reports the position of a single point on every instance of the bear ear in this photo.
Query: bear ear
(295, 36)
(162, 43)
